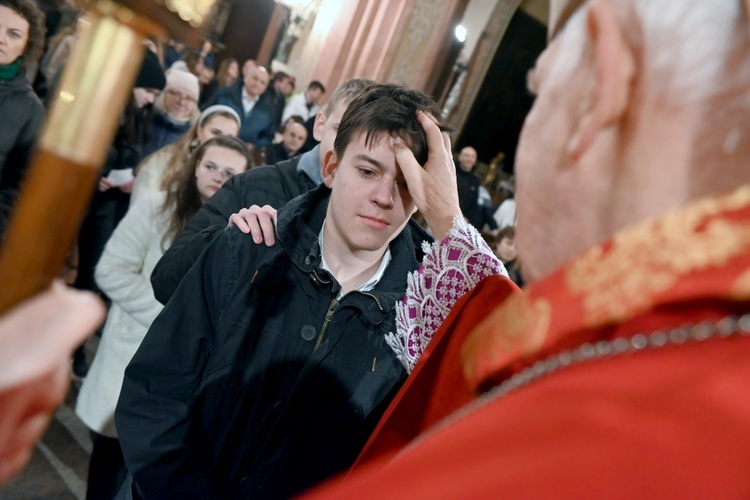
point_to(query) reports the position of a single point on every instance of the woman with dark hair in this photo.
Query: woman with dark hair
(123, 274)
(21, 45)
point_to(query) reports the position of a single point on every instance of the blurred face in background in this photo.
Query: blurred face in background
(467, 158)
(14, 33)
(295, 135)
(216, 125)
(233, 70)
(256, 81)
(179, 103)
(285, 86)
(143, 97)
(313, 95)
(506, 250)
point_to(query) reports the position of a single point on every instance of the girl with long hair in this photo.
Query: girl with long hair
(123, 274)
(153, 173)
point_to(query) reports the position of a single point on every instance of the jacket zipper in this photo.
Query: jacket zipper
(375, 299)
(326, 322)
(332, 307)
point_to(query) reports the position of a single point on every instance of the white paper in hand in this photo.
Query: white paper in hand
(120, 176)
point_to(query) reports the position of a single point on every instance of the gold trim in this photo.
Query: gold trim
(617, 283)
(520, 327)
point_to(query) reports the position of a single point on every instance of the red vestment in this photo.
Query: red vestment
(631, 373)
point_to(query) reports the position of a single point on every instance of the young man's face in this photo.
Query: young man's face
(370, 203)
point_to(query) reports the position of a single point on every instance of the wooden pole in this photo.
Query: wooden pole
(94, 90)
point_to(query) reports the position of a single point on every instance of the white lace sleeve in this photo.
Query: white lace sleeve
(449, 269)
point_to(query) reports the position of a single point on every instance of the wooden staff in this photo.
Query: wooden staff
(95, 86)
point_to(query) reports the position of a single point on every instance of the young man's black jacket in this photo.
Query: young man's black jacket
(272, 185)
(228, 396)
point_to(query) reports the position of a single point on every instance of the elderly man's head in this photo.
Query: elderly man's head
(641, 107)
(256, 81)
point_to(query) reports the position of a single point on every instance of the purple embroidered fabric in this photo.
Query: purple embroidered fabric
(450, 268)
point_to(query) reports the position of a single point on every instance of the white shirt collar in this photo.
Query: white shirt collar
(367, 285)
(248, 103)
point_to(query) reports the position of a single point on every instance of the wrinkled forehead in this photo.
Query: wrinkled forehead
(559, 12)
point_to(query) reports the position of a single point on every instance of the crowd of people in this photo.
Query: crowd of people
(278, 314)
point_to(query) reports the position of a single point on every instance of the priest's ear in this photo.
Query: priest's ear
(614, 64)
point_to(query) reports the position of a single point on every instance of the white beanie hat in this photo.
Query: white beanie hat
(178, 79)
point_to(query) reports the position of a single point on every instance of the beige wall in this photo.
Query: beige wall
(385, 40)
(429, 25)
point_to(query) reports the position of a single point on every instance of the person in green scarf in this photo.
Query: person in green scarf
(21, 44)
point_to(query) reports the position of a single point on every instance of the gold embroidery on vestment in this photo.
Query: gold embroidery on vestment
(521, 324)
(648, 259)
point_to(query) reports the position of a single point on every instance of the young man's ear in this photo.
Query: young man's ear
(320, 121)
(330, 162)
(614, 63)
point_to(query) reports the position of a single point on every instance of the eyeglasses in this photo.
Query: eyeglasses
(181, 97)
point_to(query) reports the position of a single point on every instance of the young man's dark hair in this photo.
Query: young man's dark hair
(269, 368)
(389, 110)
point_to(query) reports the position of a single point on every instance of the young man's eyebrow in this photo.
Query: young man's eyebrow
(368, 159)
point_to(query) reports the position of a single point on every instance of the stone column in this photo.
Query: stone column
(423, 42)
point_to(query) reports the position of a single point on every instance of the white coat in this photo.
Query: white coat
(123, 273)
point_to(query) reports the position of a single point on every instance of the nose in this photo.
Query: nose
(382, 194)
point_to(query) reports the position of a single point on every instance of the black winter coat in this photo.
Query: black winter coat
(468, 199)
(255, 381)
(21, 120)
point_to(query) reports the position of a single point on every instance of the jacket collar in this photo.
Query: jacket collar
(309, 164)
(656, 275)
